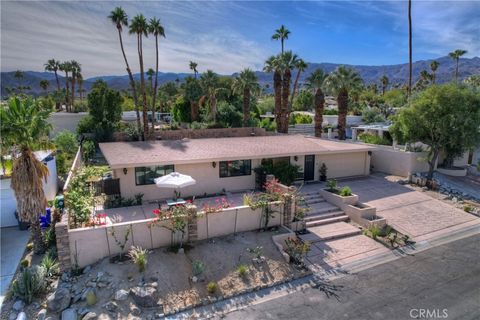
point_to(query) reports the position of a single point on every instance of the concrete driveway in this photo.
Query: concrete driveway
(13, 245)
(409, 211)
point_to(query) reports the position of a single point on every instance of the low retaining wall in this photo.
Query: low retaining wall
(453, 172)
(89, 245)
(398, 162)
(337, 200)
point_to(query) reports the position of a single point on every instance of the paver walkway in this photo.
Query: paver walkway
(409, 211)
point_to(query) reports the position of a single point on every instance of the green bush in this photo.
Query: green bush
(374, 139)
(50, 265)
(332, 185)
(49, 237)
(330, 112)
(212, 287)
(66, 142)
(24, 263)
(86, 125)
(139, 257)
(29, 283)
(345, 192)
(88, 148)
(268, 124)
(467, 208)
(372, 115)
(181, 110)
(228, 115)
(242, 270)
(285, 172)
(299, 118)
(198, 267)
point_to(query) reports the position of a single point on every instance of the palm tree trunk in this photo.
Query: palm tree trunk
(295, 87)
(342, 101)
(67, 98)
(132, 83)
(433, 77)
(319, 105)
(213, 102)
(456, 71)
(73, 91)
(56, 78)
(142, 88)
(277, 87)
(194, 110)
(156, 84)
(287, 75)
(246, 107)
(282, 44)
(409, 47)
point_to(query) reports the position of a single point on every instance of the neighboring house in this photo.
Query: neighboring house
(8, 202)
(62, 121)
(226, 164)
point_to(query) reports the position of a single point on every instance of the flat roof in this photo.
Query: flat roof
(161, 152)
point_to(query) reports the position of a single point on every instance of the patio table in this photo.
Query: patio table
(171, 202)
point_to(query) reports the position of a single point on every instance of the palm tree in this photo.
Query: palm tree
(80, 85)
(44, 85)
(455, 55)
(315, 82)
(66, 67)
(300, 66)
(410, 62)
(120, 19)
(281, 34)
(193, 93)
(139, 26)
(246, 83)
(425, 76)
(193, 67)
(273, 65)
(25, 123)
(288, 61)
(53, 65)
(150, 72)
(385, 82)
(341, 82)
(155, 28)
(209, 82)
(434, 66)
(76, 69)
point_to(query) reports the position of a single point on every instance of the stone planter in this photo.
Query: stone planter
(279, 241)
(339, 200)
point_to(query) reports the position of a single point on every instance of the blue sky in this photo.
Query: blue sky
(227, 36)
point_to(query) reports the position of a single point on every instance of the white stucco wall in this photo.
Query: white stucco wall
(209, 181)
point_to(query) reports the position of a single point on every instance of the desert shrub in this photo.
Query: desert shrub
(256, 252)
(24, 263)
(30, 246)
(198, 125)
(268, 124)
(372, 115)
(242, 270)
(212, 287)
(332, 185)
(29, 283)
(296, 249)
(198, 267)
(50, 265)
(131, 130)
(49, 237)
(373, 231)
(374, 139)
(345, 192)
(139, 257)
(299, 118)
(467, 208)
(330, 112)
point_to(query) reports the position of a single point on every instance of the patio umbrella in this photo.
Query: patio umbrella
(174, 180)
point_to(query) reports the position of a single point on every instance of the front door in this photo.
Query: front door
(309, 169)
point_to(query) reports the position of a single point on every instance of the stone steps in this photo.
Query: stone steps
(330, 231)
(320, 222)
(319, 216)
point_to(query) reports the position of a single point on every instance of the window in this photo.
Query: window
(235, 168)
(146, 175)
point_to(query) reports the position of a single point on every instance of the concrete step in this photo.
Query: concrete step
(314, 200)
(310, 217)
(330, 231)
(321, 222)
(322, 207)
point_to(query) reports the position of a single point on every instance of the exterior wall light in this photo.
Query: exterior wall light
(295, 158)
(125, 171)
(214, 164)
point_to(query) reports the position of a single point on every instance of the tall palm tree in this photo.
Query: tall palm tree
(193, 92)
(434, 66)
(315, 82)
(246, 84)
(44, 85)
(80, 81)
(410, 61)
(209, 81)
(120, 19)
(139, 26)
(300, 66)
(281, 34)
(53, 65)
(341, 82)
(155, 28)
(193, 67)
(150, 72)
(425, 76)
(76, 69)
(25, 124)
(66, 67)
(273, 65)
(288, 61)
(385, 82)
(455, 55)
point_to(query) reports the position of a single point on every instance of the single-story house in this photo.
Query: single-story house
(226, 164)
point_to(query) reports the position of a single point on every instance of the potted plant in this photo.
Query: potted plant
(323, 172)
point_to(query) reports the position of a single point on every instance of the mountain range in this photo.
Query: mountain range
(397, 73)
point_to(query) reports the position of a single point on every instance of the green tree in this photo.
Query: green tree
(410, 48)
(341, 82)
(209, 81)
(67, 67)
(246, 84)
(181, 110)
(300, 65)
(442, 117)
(288, 61)
(105, 109)
(315, 82)
(281, 34)
(304, 101)
(193, 66)
(139, 26)
(385, 82)
(192, 92)
(473, 81)
(44, 85)
(155, 28)
(25, 125)
(75, 69)
(66, 141)
(455, 55)
(228, 115)
(120, 19)
(434, 66)
(273, 65)
(53, 65)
